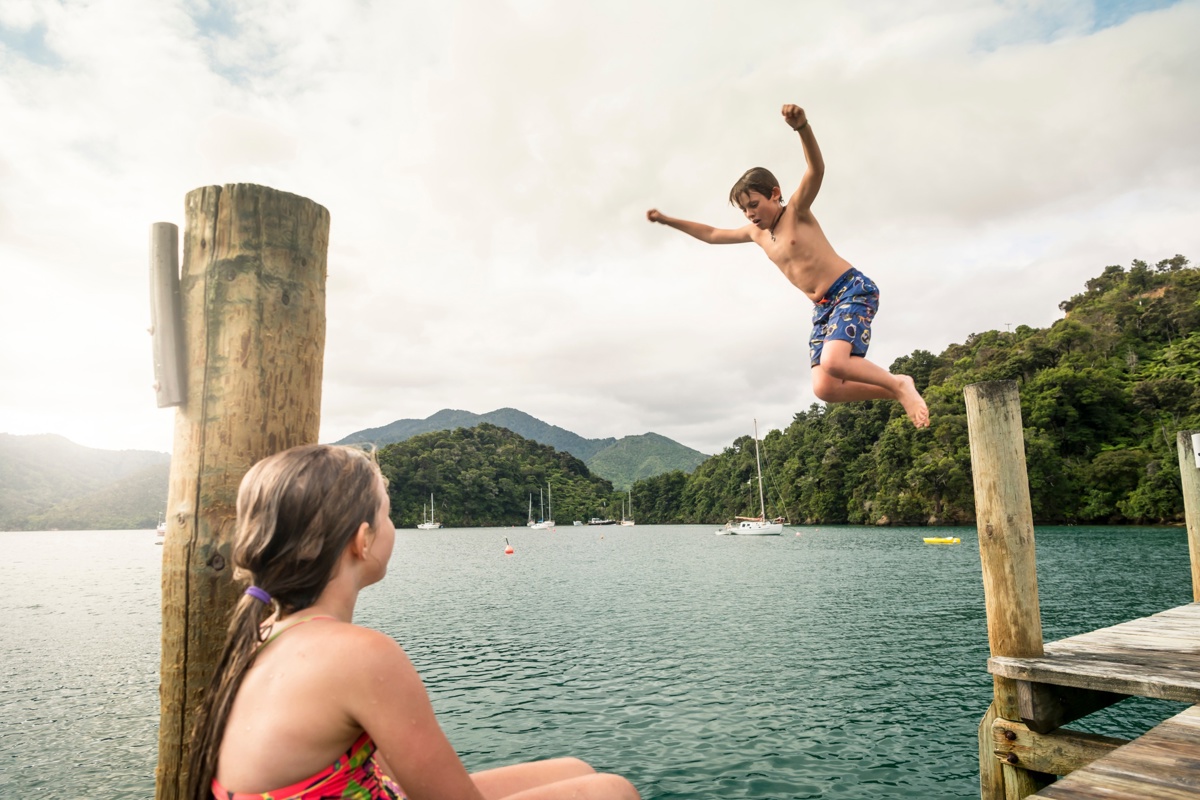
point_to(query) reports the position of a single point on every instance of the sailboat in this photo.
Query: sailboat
(754, 526)
(428, 524)
(629, 521)
(544, 523)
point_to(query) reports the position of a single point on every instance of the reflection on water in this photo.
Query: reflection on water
(844, 662)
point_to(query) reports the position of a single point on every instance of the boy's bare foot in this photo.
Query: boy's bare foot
(913, 404)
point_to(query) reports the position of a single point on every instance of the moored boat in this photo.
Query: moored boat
(754, 526)
(429, 524)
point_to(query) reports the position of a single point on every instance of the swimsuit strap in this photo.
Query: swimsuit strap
(275, 635)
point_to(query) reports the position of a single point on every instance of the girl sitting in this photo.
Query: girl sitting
(306, 705)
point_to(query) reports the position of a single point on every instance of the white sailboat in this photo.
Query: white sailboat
(754, 526)
(544, 523)
(627, 521)
(428, 524)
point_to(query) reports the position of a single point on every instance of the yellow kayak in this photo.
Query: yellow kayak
(942, 540)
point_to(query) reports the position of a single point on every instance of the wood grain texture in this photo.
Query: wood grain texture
(1058, 753)
(991, 775)
(1004, 518)
(1190, 479)
(253, 297)
(1155, 656)
(1163, 763)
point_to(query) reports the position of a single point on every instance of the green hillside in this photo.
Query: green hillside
(633, 458)
(1103, 392)
(620, 461)
(132, 502)
(516, 421)
(47, 481)
(484, 476)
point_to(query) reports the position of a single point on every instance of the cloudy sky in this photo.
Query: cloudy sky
(487, 165)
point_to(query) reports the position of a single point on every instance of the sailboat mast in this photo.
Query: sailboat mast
(762, 503)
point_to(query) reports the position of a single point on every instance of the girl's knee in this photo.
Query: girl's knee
(615, 787)
(573, 766)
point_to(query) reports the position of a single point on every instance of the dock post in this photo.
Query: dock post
(1189, 477)
(253, 307)
(1004, 518)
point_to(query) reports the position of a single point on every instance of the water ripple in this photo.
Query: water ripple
(843, 663)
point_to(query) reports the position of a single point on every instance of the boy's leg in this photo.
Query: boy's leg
(844, 378)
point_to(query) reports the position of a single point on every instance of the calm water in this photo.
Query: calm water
(844, 662)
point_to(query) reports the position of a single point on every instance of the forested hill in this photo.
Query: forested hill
(632, 458)
(621, 461)
(1103, 392)
(486, 475)
(515, 420)
(48, 482)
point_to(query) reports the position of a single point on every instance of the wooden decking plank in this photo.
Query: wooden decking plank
(1156, 656)
(1164, 763)
(1166, 629)
(1134, 679)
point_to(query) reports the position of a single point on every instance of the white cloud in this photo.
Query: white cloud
(487, 167)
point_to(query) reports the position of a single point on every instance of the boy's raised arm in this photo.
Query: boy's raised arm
(705, 233)
(810, 184)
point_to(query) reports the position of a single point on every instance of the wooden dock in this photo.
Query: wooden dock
(1024, 750)
(1156, 656)
(1164, 763)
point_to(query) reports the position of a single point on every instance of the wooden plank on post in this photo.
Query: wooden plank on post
(1189, 476)
(1004, 518)
(991, 777)
(1058, 753)
(253, 297)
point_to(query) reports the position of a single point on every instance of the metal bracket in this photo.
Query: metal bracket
(166, 324)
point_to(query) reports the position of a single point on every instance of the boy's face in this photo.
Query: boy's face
(760, 209)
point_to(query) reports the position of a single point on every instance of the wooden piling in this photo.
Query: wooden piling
(1189, 477)
(1004, 519)
(253, 303)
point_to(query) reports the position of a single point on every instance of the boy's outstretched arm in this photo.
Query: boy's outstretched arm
(705, 233)
(810, 184)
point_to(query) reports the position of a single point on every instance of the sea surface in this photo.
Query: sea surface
(833, 662)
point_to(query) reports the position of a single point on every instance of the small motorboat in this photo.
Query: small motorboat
(942, 540)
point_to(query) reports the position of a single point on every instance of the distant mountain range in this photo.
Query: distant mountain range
(48, 482)
(621, 461)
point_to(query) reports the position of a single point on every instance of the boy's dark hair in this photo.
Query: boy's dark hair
(758, 179)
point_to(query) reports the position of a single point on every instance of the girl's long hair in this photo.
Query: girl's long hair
(296, 513)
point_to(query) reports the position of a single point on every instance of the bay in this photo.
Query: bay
(842, 662)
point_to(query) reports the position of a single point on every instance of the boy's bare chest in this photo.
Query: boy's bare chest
(803, 254)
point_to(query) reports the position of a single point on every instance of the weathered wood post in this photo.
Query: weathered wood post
(1004, 519)
(1189, 477)
(253, 301)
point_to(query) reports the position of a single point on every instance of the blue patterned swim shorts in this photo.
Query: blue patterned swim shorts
(845, 313)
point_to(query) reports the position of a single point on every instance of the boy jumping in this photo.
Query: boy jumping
(846, 300)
